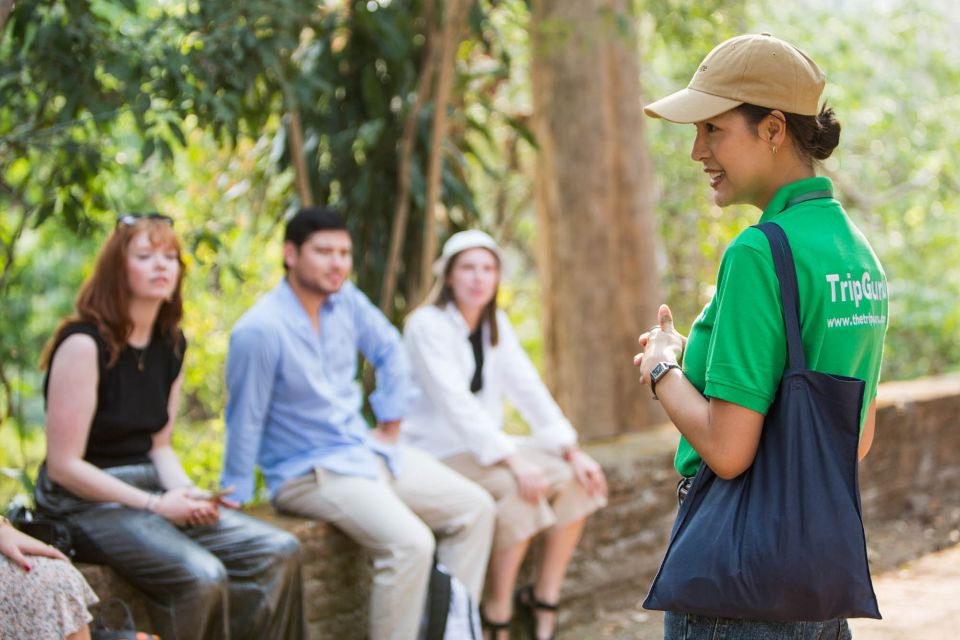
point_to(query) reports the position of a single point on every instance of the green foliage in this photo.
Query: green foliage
(369, 62)
(363, 67)
(60, 65)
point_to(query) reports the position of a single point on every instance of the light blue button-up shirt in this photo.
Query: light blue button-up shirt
(293, 399)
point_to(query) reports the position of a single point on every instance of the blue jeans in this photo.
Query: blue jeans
(686, 626)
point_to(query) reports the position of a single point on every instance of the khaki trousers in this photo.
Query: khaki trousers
(565, 501)
(395, 519)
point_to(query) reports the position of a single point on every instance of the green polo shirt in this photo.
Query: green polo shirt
(736, 350)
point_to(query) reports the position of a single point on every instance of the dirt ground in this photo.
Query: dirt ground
(916, 574)
(918, 601)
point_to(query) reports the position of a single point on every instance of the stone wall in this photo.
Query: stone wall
(913, 469)
(912, 474)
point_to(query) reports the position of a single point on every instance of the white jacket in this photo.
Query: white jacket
(448, 419)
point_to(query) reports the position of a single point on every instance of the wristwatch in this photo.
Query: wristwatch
(658, 372)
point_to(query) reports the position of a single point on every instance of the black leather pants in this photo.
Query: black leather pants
(236, 579)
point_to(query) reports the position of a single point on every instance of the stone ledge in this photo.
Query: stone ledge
(911, 474)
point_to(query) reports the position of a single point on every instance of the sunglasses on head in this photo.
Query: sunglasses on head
(130, 219)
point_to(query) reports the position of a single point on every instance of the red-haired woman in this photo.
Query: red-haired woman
(112, 388)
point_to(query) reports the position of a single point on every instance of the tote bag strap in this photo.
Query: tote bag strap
(789, 291)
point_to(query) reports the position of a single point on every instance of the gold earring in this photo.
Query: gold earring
(773, 149)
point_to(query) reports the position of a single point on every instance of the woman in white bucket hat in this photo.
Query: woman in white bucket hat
(467, 360)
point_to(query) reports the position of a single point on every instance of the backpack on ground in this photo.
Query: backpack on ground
(450, 612)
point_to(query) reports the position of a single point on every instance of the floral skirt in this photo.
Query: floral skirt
(47, 603)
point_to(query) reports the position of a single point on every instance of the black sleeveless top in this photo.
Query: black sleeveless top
(131, 400)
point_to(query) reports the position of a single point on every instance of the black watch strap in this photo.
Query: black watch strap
(658, 372)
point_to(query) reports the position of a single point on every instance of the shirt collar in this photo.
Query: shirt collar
(285, 291)
(457, 318)
(794, 190)
(296, 311)
(291, 308)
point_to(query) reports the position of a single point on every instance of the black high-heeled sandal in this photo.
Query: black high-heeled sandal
(525, 605)
(493, 627)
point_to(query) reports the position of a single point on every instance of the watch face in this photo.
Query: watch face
(657, 371)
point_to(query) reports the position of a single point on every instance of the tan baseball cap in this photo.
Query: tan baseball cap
(755, 69)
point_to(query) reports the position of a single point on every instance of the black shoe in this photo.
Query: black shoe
(525, 606)
(494, 627)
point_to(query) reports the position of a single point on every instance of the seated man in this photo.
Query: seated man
(294, 409)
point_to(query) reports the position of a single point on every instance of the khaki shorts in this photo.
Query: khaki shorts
(565, 501)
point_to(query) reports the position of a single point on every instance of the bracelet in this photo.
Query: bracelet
(152, 502)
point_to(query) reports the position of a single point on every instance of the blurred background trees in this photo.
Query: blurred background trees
(422, 117)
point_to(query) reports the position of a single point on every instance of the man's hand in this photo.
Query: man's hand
(216, 496)
(388, 432)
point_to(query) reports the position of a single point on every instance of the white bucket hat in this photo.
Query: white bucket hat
(460, 242)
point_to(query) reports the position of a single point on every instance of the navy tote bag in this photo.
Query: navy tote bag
(783, 541)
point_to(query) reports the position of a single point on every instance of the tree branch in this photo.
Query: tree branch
(295, 140)
(7, 389)
(407, 143)
(6, 7)
(10, 248)
(453, 16)
(505, 215)
(9, 253)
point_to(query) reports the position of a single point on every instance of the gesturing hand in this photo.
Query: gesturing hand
(662, 343)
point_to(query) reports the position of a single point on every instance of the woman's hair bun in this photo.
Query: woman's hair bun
(825, 135)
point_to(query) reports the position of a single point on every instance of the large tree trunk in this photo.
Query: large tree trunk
(597, 238)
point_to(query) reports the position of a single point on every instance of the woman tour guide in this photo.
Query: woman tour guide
(760, 130)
